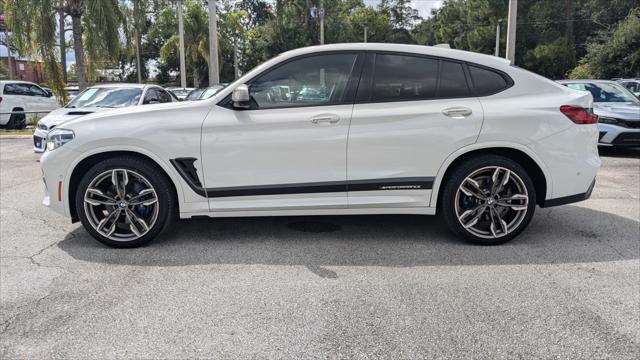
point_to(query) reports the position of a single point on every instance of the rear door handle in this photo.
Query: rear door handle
(457, 112)
(325, 119)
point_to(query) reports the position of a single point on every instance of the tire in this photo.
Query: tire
(137, 218)
(17, 122)
(490, 219)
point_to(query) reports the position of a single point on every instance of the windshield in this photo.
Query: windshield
(106, 97)
(605, 92)
(195, 94)
(210, 91)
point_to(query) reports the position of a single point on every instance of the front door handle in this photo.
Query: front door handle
(325, 119)
(457, 112)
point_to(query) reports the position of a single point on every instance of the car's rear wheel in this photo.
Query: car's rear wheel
(125, 202)
(488, 200)
(17, 122)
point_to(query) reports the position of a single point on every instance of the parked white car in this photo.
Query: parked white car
(23, 96)
(336, 129)
(96, 99)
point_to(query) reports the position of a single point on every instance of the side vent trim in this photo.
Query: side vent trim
(189, 173)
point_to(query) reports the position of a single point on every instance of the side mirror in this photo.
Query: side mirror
(49, 93)
(240, 97)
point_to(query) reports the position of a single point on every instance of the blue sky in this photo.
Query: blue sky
(423, 6)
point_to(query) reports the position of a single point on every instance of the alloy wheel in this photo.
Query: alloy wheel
(491, 202)
(121, 205)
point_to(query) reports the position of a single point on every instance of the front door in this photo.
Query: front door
(287, 151)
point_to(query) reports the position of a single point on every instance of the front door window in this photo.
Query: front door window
(309, 81)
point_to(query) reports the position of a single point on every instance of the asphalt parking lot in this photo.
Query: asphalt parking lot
(356, 286)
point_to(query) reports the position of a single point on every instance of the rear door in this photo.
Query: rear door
(411, 112)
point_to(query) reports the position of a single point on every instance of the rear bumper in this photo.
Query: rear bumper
(569, 199)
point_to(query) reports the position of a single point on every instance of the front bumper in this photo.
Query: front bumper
(39, 140)
(615, 135)
(55, 175)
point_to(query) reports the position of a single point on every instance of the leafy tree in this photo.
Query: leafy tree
(196, 28)
(94, 23)
(136, 26)
(400, 12)
(614, 52)
(377, 23)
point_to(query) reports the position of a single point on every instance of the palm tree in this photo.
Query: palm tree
(94, 22)
(196, 28)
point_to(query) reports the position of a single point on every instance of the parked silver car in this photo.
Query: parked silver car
(632, 85)
(617, 108)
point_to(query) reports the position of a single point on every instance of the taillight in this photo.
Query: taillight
(578, 114)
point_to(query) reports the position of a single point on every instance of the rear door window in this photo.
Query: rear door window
(404, 78)
(408, 77)
(453, 82)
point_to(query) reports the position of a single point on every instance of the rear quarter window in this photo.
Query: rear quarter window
(487, 82)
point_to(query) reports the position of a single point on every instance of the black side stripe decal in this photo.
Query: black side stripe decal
(405, 183)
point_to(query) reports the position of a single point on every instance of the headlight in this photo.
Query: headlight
(607, 120)
(59, 137)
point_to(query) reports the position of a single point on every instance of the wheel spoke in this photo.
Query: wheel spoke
(475, 189)
(112, 220)
(476, 212)
(496, 218)
(499, 181)
(97, 197)
(120, 182)
(134, 222)
(506, 202)
(146, 197)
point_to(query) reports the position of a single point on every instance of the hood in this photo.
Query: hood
(136, 112)
(627, 111)
(58, 116)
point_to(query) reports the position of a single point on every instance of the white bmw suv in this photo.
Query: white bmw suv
(336, 129)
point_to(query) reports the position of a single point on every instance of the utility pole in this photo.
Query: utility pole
(321, 14)
(183, 71)
(236, 73)
(214, 76)
(498, 37)
(365, 34)
(63, 42)
(511, 30)
(136, 24)
(7, 43)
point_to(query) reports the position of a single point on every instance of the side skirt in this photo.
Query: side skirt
(314, 212)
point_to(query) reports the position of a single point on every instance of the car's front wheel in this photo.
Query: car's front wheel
(488, 200)
(125, 201)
